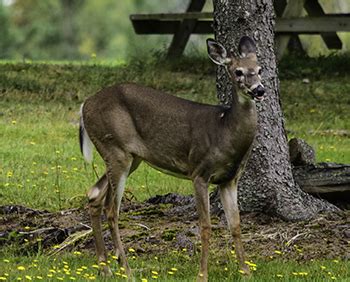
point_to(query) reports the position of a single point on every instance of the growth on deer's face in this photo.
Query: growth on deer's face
(206, 144)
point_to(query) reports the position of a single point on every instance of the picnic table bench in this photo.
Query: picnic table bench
(289, 24)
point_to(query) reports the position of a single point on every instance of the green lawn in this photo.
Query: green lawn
(177, 266)
(41, 165)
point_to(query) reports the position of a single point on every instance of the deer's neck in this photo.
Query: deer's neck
(243, 112)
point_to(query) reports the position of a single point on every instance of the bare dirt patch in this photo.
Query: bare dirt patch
(159, 228)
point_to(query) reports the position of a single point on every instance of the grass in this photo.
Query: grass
(41, 165)
(176, 266)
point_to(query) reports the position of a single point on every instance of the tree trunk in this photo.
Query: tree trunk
(267, 184)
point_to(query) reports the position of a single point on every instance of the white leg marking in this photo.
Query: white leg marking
(121, 188)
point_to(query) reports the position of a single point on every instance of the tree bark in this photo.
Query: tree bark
(267, 184)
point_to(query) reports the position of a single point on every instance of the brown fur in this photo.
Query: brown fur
(129, 123)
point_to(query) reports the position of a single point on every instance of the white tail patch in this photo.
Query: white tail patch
(86, 145)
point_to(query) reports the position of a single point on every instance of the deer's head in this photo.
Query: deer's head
(244, 71)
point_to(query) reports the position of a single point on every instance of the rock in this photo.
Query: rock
(301, 153)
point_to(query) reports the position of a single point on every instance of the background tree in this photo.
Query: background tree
(267, 184)
(6, 37)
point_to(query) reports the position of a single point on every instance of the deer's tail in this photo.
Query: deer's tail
(86, 146)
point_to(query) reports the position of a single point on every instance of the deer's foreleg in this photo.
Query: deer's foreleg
(202, 201)
(228, 196)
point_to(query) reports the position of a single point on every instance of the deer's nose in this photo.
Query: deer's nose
(259, 90)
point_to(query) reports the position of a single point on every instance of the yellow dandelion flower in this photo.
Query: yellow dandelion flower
(171, 272)
(144, 280)
(39, 277)
(323, 267)
(6, 260)
(60, 278)
(173, 269)
(102, 263)
(72, 278)
(124, 276)
(77, 253)
(84, 267)
(2, 278)
(52, 270)
(278, 252)
(21, 268)
(241, 271)
(131, 250)
(336, 261)
(154, 276)
(279, 275)
(50, 275)
(154, 272)
(14, 122)
(28, 277)
(122, 269)
(95, 266)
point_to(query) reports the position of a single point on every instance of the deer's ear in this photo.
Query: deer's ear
(247, 47)
(217, 53)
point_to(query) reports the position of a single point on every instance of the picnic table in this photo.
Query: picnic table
(289, 24)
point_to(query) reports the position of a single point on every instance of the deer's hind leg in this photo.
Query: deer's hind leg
(96, 197)
(118, 168)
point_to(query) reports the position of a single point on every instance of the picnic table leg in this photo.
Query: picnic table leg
(314, 9)
(283, 9)
(184, 31)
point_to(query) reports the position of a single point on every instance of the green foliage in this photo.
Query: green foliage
(64, 29)
(6, 37)
(80, 29)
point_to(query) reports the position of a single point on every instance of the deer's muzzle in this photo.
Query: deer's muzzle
(258, 92)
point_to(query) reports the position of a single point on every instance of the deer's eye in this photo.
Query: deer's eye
(260, 71)
(238, 72)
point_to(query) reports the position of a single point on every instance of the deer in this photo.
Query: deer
(207, 144)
